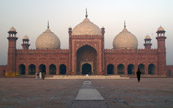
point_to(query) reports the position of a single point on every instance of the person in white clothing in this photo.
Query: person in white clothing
(40, 75)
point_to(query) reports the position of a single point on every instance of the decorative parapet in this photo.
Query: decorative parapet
(117, 51)
(40, 51)
(86, 36)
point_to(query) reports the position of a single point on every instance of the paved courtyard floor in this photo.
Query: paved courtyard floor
(122, 93)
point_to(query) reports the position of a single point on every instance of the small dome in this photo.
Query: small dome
(48, 40)
(86, 27)
(25, 37)
(160, 29)
(147, 37)
(125, 40)
(12, 29)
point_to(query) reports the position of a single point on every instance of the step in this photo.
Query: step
(86, 77)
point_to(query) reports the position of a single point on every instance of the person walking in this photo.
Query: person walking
(43, 76)
(138, 75)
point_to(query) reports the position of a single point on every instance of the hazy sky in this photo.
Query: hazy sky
(30, 17)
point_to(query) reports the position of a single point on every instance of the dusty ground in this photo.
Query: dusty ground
(32, 93)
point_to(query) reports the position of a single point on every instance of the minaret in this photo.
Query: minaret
(147, 43)
(11, 52)
(161, 51)
(25, 44)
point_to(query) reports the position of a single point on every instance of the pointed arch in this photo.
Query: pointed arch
(32, 69)
(131, 69)
(120, 69)
(52, 69)
(151, 69)
(62, 69)
(42, 68)
(110, 69)
(21, 69)
(86, 54)
(142, 68)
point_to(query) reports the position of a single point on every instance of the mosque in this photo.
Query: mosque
(86, 54)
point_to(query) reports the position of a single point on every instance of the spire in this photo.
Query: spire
(124, 24)
(86, 13)
(48, 24)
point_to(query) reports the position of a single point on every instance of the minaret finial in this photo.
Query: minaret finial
(86, 13)
(124, 24)
(48, 24)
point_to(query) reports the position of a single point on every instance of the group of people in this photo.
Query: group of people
(40, 75)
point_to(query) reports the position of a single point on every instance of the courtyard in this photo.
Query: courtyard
(61, 93)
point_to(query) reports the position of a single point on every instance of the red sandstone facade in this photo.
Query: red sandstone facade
(86, 55)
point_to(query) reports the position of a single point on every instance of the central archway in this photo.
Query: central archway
(86, 69)
(86, 56)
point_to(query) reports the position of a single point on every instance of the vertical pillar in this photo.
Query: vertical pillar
(146, 69)
(47, 69)
(125, 69)
(57, 69)
(115, 69)
(26, 68)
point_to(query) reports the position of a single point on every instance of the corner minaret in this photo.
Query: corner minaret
(147, 43)
(25, 44)
(11, 52)
(161, 50)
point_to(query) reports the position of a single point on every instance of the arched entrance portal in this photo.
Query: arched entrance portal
(52, 69)
(131, 69)
(86, 55)
(120, 69)
(42, 68)
(142, 68)
(21, 69)
(86, 69)
(110, 69)
(32, 69)
(62, 69)
(151, 69)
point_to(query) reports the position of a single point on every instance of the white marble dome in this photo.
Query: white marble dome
(125, 40)
(86, 27)
(48, 40)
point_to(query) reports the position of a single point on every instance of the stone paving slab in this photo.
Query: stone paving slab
(89, 94)
(89, 104)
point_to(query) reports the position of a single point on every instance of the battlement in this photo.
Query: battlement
(39, 51)
(116, 51)
(86, 36)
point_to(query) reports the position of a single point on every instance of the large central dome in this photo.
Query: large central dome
(125, 40)
(86, 27)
